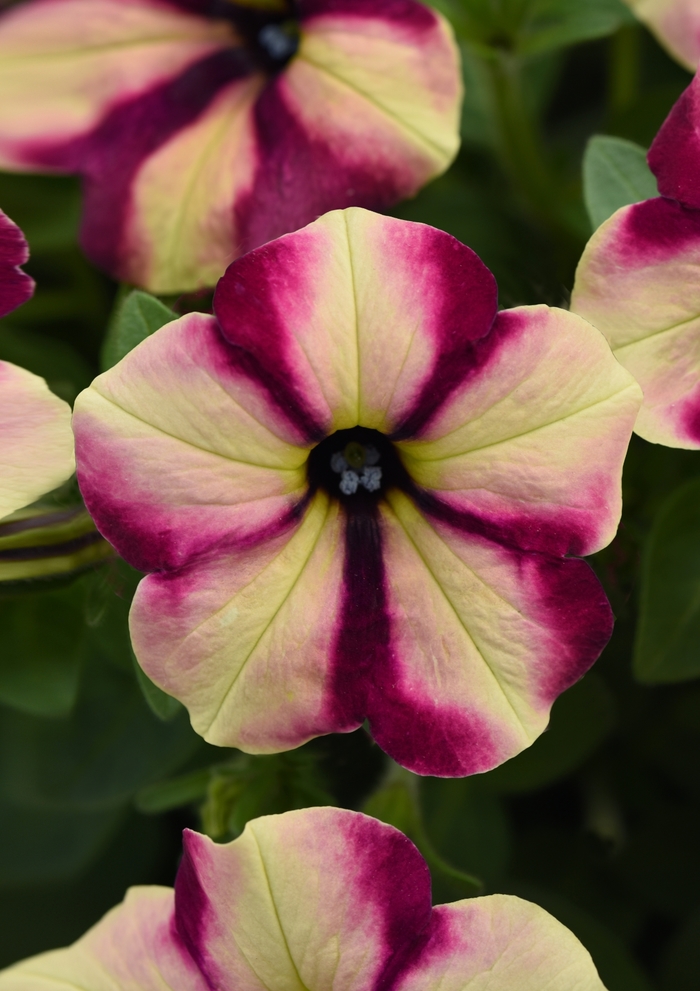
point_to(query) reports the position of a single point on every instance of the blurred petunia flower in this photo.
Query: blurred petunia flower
(317, 899)
(36, 442)
(676, 24)
(638, 281)
(357, 488)
(206, 127)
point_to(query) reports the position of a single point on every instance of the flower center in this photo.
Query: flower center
(269, 27)
(355, 465)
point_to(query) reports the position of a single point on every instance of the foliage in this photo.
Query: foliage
(615, 174)
(598, 821)
(667, 647)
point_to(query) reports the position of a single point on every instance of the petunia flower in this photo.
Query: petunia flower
(638, 282)
(317, 899)
(676, 24)
(206, 127)
(36, 442)
(357, 489)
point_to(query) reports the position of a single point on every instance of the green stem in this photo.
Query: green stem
(523, 156)
(518, 140)
(625, 67)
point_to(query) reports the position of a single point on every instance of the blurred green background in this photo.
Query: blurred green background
(599, 821)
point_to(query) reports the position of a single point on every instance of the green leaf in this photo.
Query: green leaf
(667, 647)
(42, 636)
(65, 371)
(112, 744)
(137, 316)
(175, 793)
(551, 24)
(110, 747)
(164, 706)
(539, 76)
(55, 913)
(530, 27)
(268, 784)
(581, 720)
(615, 174)
(41, 845)
(468, 826)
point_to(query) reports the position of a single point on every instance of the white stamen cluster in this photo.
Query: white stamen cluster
(369, 476)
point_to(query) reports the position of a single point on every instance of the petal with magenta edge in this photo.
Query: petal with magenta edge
(178, 406)
(36, 441)
(310, 900)
(534, 440)
(65, 63)
(354, 316)
(676, 24)
(245, 639)
(16, 287)
(481, 639)
(638, 281)
(316, 899)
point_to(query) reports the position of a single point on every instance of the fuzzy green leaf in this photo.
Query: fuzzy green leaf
(137, 316)
(615, 174)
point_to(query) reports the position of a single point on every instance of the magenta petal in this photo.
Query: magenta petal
(15, 286)
(179, 179)
(357, 885)
(407, 670)
(637, 283)
(408, 13)
(440, 608)
(674, 156)
(112, 155)
(322, 899)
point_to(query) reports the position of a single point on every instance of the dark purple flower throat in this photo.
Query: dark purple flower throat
(356, 466)
(270, 29)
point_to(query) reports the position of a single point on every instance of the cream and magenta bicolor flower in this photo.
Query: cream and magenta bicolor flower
(356, 488)
(313, 900)
(206, 127)
(36, 442)
(638, 281)
(676, 24)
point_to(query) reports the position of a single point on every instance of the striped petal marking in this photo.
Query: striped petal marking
(676, 24)
(36, 443)
(307, 901)
(361, 493)
(206, 127)
(637, 282)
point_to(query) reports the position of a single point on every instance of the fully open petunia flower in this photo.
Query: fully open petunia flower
(639, 282)
(317, 899)
(206, 127)
(676, 24)
(36, 442)
(357, 488)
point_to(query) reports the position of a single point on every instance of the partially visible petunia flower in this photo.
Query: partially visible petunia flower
(638, 282)
(36, 442)
(206, 127)
(317, 899)
(357, 489)
(676, 24)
